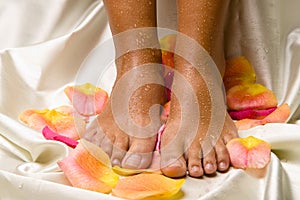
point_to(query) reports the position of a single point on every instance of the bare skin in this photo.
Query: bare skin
(202, 21)
(124, 149)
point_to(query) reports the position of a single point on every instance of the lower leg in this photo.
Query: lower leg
(126, 147)
(201, 20)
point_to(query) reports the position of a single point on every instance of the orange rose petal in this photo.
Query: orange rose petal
(87, 99)
(33, 119)
(66, 110)
(280, 115)
(143, 186)
(245, 124)
(166, 111)
(130, 172)
(168, 43)
(88, 167)
(167, 60)
(250, 96)
(61, 122)
(69, 110)
(80, 178)
(238, 71)
(249, 153)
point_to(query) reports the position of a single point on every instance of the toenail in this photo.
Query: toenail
(195, 168)
(209, 166)
(133, 160)
(116, 162)
(222, 165)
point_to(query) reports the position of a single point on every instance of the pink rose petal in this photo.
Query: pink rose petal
(50, 135)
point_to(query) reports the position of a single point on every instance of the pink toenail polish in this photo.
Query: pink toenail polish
(195, 168)
(209, 166)
(222, 165)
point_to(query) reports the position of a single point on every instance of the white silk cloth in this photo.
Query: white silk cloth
(43, 46)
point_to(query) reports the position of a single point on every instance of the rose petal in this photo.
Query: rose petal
(69, 110)
(250, 114)
(81, 178)
(143, 186)
(129, 172)
(167, 60)
(168, 84)
(87, 99)
(280, 115)
(249, 153)
(250, 96)
(50, 135)
(238, 71)
(165, 112)
(61, 122)
(89, 170)
(245, 124)
(168, 43)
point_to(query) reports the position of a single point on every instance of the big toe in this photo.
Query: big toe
(176, 168)
(139, 155)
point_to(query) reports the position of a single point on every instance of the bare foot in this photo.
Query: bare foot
(187, 146)
(126, 145)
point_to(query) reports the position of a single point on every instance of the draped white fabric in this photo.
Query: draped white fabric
(45, 44)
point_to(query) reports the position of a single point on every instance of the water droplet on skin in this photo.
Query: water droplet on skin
(135, 25)
(266, 50)
(147, 88)
(150, 3)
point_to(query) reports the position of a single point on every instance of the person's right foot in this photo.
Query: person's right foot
(124, 145)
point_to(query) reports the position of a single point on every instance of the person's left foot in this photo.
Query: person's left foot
(183, 152)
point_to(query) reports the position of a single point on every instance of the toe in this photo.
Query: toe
(175, 169)
(209, 162)
(119, 150)
(139, 155)
(94, 135)
(107, 145)
(222, 156)
(194, 161)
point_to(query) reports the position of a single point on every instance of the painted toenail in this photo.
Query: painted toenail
(133, 160)
(116, 162)
(195, 168)
(209, 166)
(222, 165)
